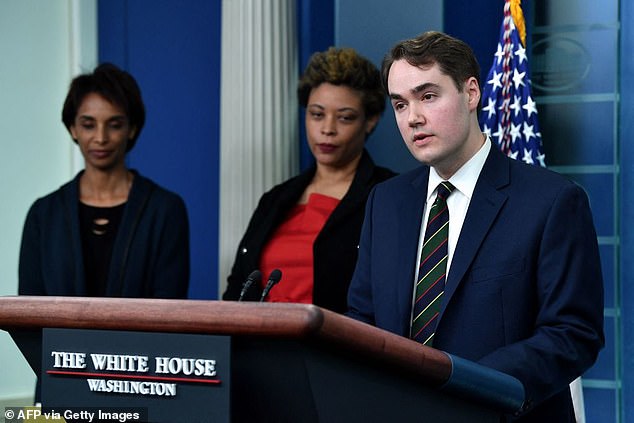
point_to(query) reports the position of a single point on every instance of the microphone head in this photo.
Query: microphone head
(255, 276)
(274, 278)
(275, 275)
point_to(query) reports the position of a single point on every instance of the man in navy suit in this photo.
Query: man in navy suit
(523, 291)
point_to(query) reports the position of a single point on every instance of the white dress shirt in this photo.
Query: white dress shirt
(458, 202)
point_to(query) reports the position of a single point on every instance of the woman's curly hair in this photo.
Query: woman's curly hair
(344, 66)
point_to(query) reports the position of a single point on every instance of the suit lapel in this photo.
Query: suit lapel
(410, 216)
(486, 203)
(138, 199)
(70, 195)
(356, 195)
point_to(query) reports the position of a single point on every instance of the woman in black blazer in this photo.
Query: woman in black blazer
(309, 226)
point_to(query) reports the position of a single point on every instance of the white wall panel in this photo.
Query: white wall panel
(42, 45)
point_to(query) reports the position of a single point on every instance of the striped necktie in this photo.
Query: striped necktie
(432, 269)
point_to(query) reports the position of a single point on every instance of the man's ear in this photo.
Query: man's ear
(472, 88)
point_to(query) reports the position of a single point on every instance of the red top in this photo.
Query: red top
(290, 249)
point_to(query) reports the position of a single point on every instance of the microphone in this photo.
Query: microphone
(255, 276)
(274, 278)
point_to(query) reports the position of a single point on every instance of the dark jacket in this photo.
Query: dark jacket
(335, 249)
(150, 255)
(524, 293)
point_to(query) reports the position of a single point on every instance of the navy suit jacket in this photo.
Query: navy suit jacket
(524, 294)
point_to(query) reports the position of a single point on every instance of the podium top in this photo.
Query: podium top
(270, 320)
(273, 320)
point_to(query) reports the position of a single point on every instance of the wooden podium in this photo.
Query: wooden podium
(291, 362)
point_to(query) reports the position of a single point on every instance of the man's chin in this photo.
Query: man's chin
(422, 156)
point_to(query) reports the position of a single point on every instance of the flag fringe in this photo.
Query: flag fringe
(518, 19)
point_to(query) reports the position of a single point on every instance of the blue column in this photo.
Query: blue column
(316, 32)
(173, 50)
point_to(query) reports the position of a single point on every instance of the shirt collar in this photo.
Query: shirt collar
(466, 177)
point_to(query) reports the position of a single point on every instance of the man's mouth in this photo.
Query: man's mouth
(420, 138)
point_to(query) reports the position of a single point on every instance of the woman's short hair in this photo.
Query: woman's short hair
(344, 66)
(115, 85)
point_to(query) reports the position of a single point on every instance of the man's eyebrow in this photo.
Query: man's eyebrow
(423, 87)
(417, 89)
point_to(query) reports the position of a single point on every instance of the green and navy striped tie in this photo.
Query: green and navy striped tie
(432, 269)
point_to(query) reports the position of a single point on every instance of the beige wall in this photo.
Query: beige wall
(42, 44)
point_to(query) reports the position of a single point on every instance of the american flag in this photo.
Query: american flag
(509, 113)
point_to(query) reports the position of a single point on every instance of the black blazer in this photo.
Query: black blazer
(335, 249)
